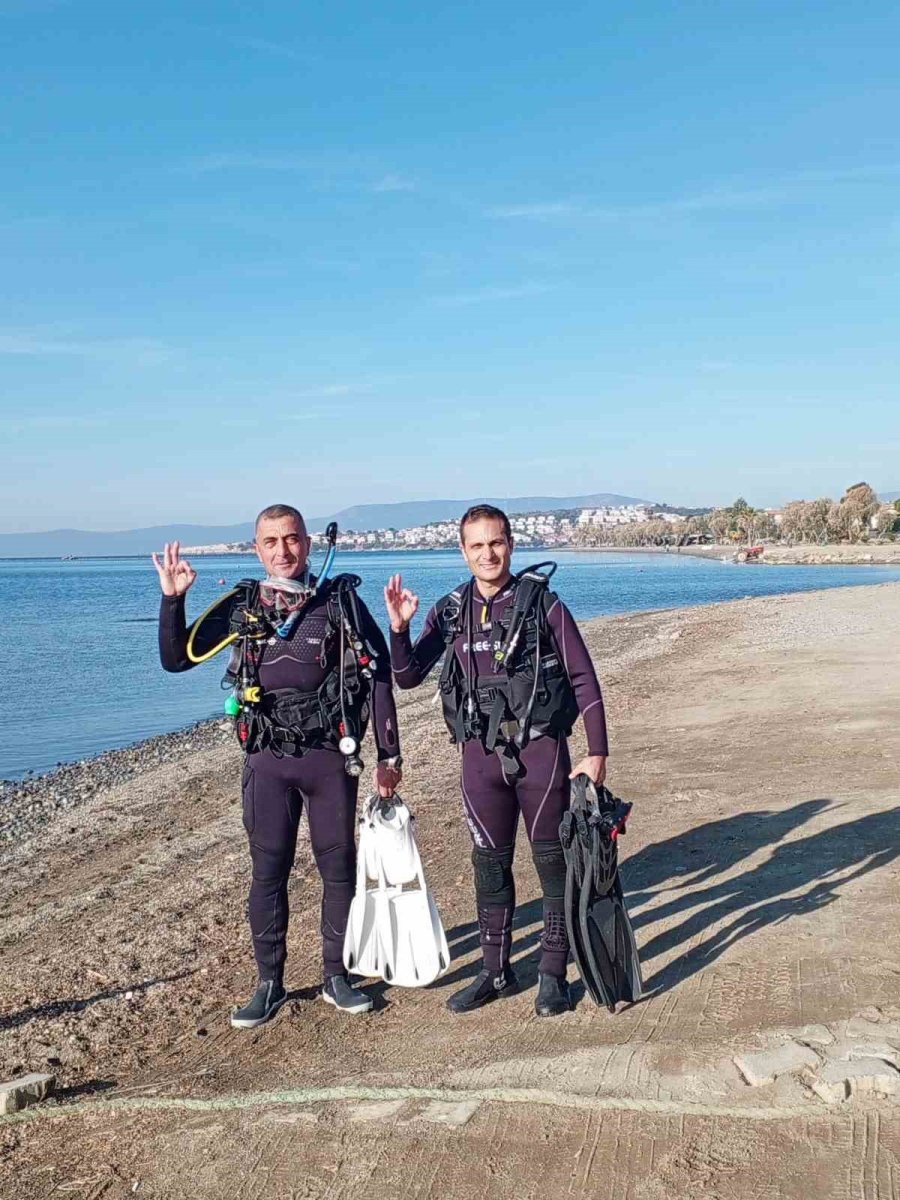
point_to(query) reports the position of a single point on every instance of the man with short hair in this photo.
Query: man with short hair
(516, 676)
(293, 695)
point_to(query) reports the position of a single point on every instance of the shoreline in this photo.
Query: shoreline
(28, 804)
(119, 763)
(829, 554)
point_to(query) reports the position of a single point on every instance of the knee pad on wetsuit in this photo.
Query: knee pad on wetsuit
(493, 875)
(550, 864)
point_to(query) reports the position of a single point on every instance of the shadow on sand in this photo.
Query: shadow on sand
(56, 1008)
(800, 876)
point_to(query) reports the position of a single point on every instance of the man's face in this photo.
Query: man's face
(487, 549)
(282, 546)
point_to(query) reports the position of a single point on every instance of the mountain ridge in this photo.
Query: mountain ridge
(83, 543)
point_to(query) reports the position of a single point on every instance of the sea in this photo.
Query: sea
(78, 639)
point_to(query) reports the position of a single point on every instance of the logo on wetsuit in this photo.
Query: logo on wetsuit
(486, 645)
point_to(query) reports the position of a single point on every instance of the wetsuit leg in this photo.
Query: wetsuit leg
(543, 795)
(271, 815)
(492, 813)
(330, 795)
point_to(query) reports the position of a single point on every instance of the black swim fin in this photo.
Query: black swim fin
(597, 922)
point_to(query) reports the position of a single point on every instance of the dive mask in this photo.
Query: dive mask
(283, 599)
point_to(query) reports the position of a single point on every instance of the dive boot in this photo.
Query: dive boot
(485, 987)
(338, 992)
(267, 999)
(552, 996)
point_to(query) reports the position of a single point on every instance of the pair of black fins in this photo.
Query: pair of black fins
(597, 922)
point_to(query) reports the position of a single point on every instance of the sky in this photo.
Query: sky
(349, 253)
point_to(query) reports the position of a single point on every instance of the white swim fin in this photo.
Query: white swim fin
(362, 953)
(410, 933)
(390, 841)
(418, 951)
(393, 933)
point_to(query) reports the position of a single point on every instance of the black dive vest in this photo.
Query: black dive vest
(527, 692)
(288, 720)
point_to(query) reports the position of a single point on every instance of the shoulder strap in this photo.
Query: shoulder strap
(533, 585)
(345, 582)
(449, 610)
(342, 606)
(340, 597)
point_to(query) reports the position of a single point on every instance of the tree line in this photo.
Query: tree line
(857, 517)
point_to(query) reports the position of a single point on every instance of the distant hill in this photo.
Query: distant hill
(419, 512)
(889, 497)
(85, 543)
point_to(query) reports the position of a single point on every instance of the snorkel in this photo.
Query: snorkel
(272, 605)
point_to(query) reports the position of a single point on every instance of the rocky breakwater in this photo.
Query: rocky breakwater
(865, 554)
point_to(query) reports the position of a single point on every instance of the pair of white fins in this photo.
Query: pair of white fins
(393, 934)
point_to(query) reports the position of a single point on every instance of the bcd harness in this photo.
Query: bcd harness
(289, 720)
(528, 691)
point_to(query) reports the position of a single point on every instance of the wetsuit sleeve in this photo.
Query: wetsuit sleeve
(384, 710)
(577, 662)
(173, 634)
(411, 663)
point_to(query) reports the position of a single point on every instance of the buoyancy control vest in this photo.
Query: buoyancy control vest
(528, 691)
(290, 720)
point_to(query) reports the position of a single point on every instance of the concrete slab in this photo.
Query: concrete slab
(16, 1094)
(760, 1067)
(839, 1081)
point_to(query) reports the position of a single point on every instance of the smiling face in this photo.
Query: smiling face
(282, 546)
(487, 550)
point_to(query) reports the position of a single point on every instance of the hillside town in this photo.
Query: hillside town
(558, 528)
(859, 516)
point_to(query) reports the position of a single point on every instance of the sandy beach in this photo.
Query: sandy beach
(759, 741)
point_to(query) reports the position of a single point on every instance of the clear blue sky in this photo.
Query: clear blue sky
(352, 252)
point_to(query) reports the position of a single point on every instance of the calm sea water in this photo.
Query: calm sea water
(78, 639)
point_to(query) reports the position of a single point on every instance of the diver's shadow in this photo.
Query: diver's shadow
(58, 1008)
(763, 895)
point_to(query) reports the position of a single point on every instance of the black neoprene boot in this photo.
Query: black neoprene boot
(484, 988)
(552, 996)
(265, 1003)
(340, 993)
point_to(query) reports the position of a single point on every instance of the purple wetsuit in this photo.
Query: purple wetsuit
(492, 802)
(276, 786)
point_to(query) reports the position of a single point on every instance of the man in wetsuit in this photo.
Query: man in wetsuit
(277, 783)
(499, 778)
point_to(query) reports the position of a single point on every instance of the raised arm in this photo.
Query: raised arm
(176, 577)
(384, 710)
(410, 663)
(173, 635)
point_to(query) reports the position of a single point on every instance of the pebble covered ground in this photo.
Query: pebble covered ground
(28, 805)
